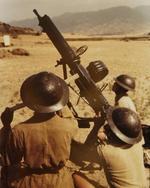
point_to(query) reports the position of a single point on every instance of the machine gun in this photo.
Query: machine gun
(86, 77)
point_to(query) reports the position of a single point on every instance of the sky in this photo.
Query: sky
(11, 10)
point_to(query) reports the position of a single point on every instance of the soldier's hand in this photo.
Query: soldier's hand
(7, 117)
(102, 137)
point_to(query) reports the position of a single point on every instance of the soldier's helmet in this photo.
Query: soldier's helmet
(125, 124)
(44, 92)
(125, 81)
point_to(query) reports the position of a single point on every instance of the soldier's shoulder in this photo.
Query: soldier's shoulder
(126, 98)
(18, 127)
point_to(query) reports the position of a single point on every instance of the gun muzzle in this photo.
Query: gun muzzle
(37, 14)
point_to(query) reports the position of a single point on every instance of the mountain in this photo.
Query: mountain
(15, 30)
(115, 20)
(30, 23)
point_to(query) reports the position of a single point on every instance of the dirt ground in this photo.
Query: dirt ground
(121, 57)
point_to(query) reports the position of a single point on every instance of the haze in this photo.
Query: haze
(11, 10)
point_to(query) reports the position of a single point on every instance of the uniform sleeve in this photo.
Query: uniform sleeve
(14, 147)
(75, 129)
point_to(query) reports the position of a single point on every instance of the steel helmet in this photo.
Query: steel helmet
(44, 92)
(125, 81)
(125, 124)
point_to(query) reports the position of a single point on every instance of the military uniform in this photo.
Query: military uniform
(37, 153)
(120, 149)
(123, 165)
(125, 101)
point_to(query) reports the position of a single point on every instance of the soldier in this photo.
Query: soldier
(123, 84)
(37, 150)
(120, 150)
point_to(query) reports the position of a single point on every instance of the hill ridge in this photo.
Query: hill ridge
(114, 20)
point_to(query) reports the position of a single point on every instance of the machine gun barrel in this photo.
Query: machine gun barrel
(56, 37)
(87, 86)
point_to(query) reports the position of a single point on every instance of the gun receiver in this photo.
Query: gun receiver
(85, 83)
